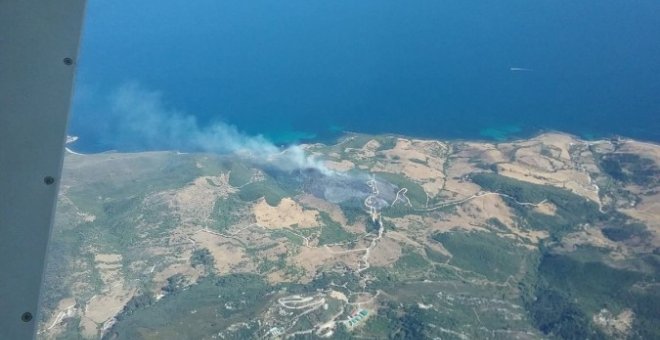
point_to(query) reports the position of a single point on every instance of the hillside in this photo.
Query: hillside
(394, 237)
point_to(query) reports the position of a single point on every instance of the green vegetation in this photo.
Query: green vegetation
(119, 218)
(139, 176)
(356, 141)
(568, 290)
(227, 212)
(592, 282)
(404, 323)
(436, 256)
(371, 226)
(325, 278)
(135, 304)
(625, 232)
(210, 164)
(202, 257)
(333, 232)
(376, 326)
(63, 246)
(444, 272)
(415, 192)
(175, 283)
(411, 262)
(217, 303)
(353, 210)
(630, 168)
(555, 314)
(572, 210)
(295, 239)
(267, 265)
(398, 210)
(477, 292)
(387, 224)
(447, 303)
(419, 161)
(114, 188)
(307, 232)
(485, 253)
(341, 333)
(496, 224)
(267, 189)
(240, 174)
(386, 142)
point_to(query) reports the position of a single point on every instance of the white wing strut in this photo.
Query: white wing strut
(38, 52)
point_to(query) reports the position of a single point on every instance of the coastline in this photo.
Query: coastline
(345, 135)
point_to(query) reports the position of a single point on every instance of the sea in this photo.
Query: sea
(310, 70)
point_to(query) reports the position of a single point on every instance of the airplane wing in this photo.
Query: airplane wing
(38, 51)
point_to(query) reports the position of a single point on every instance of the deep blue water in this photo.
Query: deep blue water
(292, 69)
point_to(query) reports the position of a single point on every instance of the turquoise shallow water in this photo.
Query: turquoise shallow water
(500, 133)
(308, 70)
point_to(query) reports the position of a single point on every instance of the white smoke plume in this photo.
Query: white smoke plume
(134, 117)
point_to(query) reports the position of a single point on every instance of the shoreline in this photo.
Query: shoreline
(345, 135)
